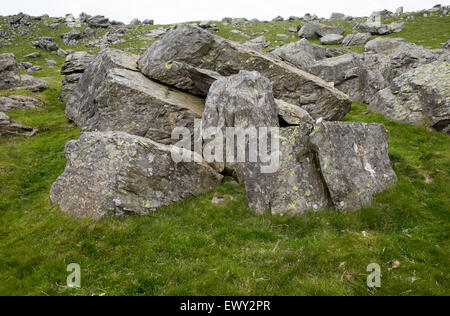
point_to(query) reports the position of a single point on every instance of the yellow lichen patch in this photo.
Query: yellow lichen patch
(169, 65)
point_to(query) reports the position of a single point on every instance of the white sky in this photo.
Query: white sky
(173, 11)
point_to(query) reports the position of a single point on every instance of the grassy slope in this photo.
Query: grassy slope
(197, 247)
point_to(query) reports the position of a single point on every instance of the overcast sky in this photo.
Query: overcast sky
(173, 11)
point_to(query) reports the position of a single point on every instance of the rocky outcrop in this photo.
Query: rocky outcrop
(10, 77)
(420, 96)
(73, 68)
(116, 174)
(9, 127)
(189, 47)
(354, 161)
(19, 102)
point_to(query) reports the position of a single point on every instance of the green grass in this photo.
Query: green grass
(200, 248)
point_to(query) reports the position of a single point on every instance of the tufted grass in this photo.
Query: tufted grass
(200, 248)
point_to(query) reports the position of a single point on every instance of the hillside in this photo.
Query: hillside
(204, 247)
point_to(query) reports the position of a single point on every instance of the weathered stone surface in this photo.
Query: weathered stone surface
(354, 161)
(258, 44)
(98, 21)
(242, 101)
(76, 63)
(303, 53)
(81, 105)
(14, 102)
(329, 30)
(72, 37)
(310, 30)
(45, 43)
(377, 28)
(10, 76)
(356, 39)
(345, 71)
(191, 45)
(68, 85)
(9, 127)
(292, 115)
(420, 96)
(332, 39)
(9, 72)
(297, 186)
(128, 101)
(384, 45)
(116, 174)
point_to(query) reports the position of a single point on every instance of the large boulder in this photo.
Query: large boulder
(190, 47)
(9, 127)
(329, 30)
(130, 102)
(296, 186)
(420, 96)
(73, 68)
(356, 39)
(81, 105)
(354, 161)
(258, 44)
(310, 30)
(116, 174)
(241, 101)
(345, 71)
(15, 102)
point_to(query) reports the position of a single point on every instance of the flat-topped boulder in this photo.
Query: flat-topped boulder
(115, 174)
(189, 46)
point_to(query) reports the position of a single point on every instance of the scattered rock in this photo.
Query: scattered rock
(45, 43)
(356, 39)
(72, 37)
(332, 39)
(50, 62)
(19, 102)
(258, 44)
(34, 55)
(115, 174)
(9, 127)
(98, 21)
